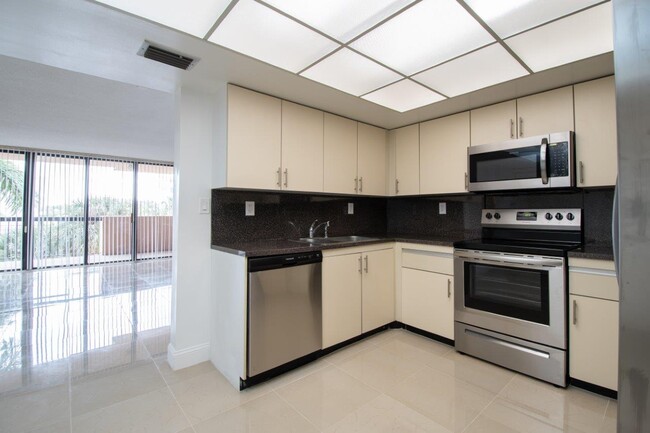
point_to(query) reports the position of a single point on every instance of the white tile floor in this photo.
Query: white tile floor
(84, 350)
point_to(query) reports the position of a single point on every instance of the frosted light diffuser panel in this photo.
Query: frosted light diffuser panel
(573, 38)
(482, 68)
(507, 17)
(195, 17)
(426, 34)
(350, 72)
(257, 31)
(403, 96)
(340, 19)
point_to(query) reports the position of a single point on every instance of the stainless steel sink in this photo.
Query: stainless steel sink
(334, 240)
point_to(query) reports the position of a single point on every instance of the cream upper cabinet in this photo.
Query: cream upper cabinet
(302, 148)
(593, 322)
(595, 117)
(494, 123)
(407, 160)
(371, 160)
(545, 112)
(253, 139)
(443, 154)
(341, 298)
(340, 155)
(378, 289)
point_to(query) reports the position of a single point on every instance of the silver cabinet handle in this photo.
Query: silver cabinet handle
(575, 311)
(360, 264)
(521, 126)
(582, 172)
(542, 160)
(366, 268)
(449, 287)
(356, 184)
(279, 176)
(286, 177)
(396, 186)
(512, 128)
(361, 184)
(466, 181)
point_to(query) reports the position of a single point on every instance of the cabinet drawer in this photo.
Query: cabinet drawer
(428, 261)
(593, 283)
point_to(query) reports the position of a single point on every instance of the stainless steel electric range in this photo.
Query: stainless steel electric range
(511, 292)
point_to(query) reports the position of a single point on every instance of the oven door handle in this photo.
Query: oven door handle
(509, 260)
(542, 160)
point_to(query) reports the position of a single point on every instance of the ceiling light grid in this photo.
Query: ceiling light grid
(397, 53)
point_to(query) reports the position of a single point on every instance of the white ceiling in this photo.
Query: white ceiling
(90, 38)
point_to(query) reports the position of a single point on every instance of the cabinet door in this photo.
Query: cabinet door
(340, 154)
(593, 341)
(407, 160)
(546, 112)
(302, 148)
(494, 123)
(254, 139)
(341, 298)
(443, 154)
(595, 114)
(372, 160)
(378, 289)
(428, 301)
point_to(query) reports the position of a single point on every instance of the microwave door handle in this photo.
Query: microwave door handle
(542, 160)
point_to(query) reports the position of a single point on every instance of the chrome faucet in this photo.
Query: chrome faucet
(313, 227)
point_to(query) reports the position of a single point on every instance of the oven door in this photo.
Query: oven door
(515, 294)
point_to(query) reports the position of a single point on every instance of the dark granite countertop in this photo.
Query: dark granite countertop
(593, 251)
(271, 247)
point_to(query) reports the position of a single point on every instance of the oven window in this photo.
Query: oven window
(512, 292)
(512, 164)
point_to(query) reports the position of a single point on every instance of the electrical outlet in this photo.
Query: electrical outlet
(442, 208)
(250, 208)
(350, 208)
(204, 205)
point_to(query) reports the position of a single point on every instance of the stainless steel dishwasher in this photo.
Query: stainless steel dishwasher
(284, 309)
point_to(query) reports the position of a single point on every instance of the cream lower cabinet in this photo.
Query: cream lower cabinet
(593, 322)
(427, 289)
(358, 292)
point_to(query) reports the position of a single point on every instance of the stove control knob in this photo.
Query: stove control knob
(559, 216)
(488, 215)
(570, 216)
(497, 215)
(548, 216)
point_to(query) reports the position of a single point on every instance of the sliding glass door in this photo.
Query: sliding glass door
(155, 194)
(110, 211)
(58, 215)
(12, 177)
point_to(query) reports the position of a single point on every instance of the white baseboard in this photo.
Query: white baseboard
(188, 357)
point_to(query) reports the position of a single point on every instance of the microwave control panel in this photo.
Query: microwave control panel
(558, 159)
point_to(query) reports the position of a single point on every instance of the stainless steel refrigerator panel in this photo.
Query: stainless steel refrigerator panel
(285, 316)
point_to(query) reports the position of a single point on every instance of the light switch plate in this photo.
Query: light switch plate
(250, 208)
(350, 208)
(204, 205)
(442, 208)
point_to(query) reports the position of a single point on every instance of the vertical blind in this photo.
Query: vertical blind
(12, 175)
(155, 194)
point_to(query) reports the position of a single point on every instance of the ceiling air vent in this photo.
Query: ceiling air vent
(167, 57)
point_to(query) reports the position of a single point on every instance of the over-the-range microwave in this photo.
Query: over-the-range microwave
(543, 161)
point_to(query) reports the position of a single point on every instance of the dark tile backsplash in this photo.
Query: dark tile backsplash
(274, 211)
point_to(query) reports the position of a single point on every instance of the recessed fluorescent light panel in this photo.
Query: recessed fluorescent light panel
(403, 96)
(573, 38)
(257, 31)
(350, 72)
(195, 17)
(426, 34)
(340, 19)
(507, 17)
(482, 68)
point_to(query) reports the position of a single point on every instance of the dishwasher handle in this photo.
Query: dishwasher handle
(257, 264)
